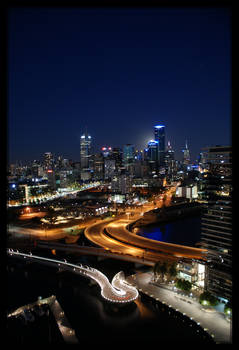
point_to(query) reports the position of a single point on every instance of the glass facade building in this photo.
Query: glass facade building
(159, 136)
(152, 154)
(85, 151)
(216, 227)
(128, 155)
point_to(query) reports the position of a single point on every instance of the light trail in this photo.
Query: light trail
(119, 291)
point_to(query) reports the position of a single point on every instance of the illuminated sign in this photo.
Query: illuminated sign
(49, 171)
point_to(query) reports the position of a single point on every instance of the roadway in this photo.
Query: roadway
(115, 237)
(118, 230)
(96, 251)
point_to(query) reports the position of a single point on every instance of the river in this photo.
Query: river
(95, 321)
(186, 231)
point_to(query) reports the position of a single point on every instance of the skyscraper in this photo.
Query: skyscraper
(85, 150)
(159, 136)
(170, 165)
(85, 153)
(216, 231)
(152, 155)
(186, 155)
(128, 155)
(48, 161)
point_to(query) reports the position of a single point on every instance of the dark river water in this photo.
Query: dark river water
(95, 320)
(185, 231)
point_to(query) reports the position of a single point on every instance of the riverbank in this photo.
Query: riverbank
(214, 323)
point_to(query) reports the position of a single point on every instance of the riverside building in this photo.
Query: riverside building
(216, 227)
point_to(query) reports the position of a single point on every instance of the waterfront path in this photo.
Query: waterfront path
(214, 323)
(118, 291)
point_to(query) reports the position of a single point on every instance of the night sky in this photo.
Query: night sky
(117, 72)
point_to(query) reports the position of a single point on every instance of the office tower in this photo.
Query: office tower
(186, 155)
(139, 155)
(51, 179)
(35, 168)
(128, 155)
(85, 152)
(170, 165)
(216, 229)
(48, 161)
(152, 155)
(117, 155)
(63, 179)
(109, 168)
(106, 151)
(98, 166)
(159, 136)
(122, 183)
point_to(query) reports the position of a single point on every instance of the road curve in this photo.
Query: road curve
(115, 237)
(118, 230)
(119, 291)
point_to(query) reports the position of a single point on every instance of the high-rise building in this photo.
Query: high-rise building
(85, 153)
(85, 150)
(170, 164)
(109, 168)
(216, 229)
(159, 136)
(117, 155)
(121, 183)
(152, 155)
(186, 155)
(48, 161)
(128, 155)
(51, 179)
(106, 151)
(98, 166)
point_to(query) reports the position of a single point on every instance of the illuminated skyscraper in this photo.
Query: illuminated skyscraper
(128, 155)
(85, 150)
(159, 136)
(48, 161)
(152, 155)
(186, 155)
(85, 153)
(170, 164)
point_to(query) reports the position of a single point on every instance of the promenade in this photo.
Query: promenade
(214, 323)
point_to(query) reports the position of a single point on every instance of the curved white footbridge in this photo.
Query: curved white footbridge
(118, 291)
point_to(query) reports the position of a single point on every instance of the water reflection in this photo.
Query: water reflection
(185, 231)
(113, 315)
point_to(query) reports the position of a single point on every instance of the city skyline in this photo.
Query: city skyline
(117, 72)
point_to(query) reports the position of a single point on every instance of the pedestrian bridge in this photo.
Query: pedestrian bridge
(118, 291)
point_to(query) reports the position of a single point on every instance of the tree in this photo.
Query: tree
(163, 269)
(184, 285)
(155, 270)
(228, 308)
(172, 270)
(206, 298)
